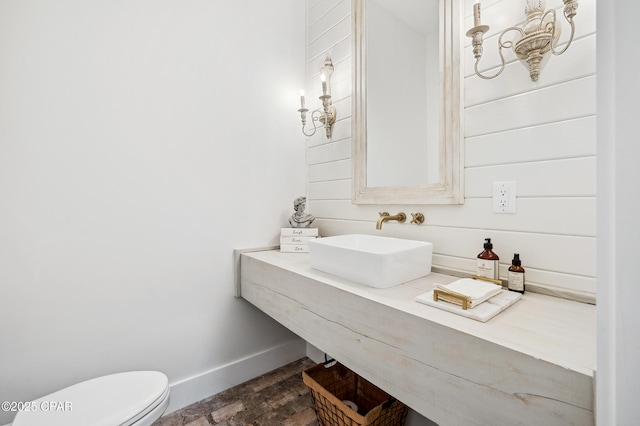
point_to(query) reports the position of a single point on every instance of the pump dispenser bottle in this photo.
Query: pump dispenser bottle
(487, 263)
(516, 275)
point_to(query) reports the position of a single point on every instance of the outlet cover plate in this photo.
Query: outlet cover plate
(504, 197)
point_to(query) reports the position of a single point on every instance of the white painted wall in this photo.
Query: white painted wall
(540, 134)
(140, 143)
(618, 375)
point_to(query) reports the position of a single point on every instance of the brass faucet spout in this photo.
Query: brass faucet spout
(385, 217)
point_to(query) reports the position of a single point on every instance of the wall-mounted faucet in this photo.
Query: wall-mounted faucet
(385, 217)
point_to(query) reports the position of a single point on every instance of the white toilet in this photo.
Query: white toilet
(136, 398)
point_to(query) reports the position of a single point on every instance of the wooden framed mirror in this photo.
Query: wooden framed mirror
(407, 146)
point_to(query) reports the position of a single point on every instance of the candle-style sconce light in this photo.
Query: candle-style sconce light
(538, 35)
(326, 115)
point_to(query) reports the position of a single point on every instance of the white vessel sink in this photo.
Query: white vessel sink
(374, 261)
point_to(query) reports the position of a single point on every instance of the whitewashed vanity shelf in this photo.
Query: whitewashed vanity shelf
(531, 364)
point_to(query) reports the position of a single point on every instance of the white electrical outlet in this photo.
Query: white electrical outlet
(504, 197)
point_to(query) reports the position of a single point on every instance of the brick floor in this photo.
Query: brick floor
(273, 399)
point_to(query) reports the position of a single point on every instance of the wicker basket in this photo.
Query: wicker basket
(330, 386)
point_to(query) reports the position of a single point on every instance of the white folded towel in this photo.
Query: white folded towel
(477, 291)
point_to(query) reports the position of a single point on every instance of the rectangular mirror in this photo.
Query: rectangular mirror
(406, 106)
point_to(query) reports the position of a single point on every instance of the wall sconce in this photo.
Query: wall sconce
(327, 116)
(538, 35)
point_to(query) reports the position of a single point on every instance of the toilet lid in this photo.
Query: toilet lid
(117, 399)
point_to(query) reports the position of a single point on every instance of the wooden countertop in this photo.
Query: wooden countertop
(531, 364)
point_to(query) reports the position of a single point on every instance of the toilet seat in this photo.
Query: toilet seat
(134, 398)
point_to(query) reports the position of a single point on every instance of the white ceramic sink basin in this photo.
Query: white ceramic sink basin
(379, 262)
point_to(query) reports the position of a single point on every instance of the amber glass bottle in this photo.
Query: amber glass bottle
(487, 263)
(516, 275)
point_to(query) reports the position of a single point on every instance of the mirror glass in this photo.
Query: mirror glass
(406, 102)
(403, 81)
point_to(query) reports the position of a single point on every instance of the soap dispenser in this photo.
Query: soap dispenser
(516, 275)
(487, 263)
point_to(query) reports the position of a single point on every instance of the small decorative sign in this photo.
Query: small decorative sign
(296, 240)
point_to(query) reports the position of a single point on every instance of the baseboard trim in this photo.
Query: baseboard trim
(188, 391)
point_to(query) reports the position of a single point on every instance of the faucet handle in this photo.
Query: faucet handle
(418, 218)
(382, 214)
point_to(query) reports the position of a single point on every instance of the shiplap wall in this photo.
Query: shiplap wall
(540, 134)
